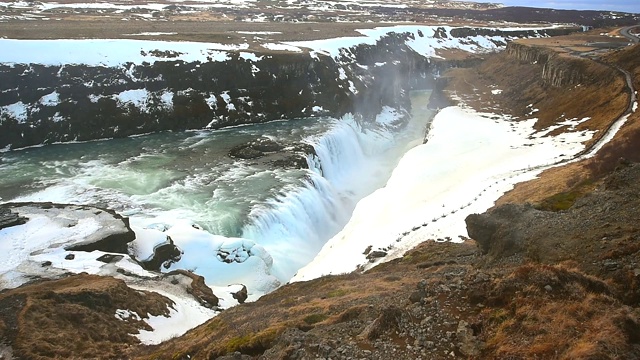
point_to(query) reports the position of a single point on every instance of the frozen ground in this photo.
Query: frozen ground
(469, 161)
(116, 52)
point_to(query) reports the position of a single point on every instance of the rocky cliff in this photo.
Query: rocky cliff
(559, 69)
(43, 104)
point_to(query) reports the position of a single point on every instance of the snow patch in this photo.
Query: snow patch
(137, 97)
(17, 111)
(281, 47)
(185, 314)
(110, 52)
(51, 99)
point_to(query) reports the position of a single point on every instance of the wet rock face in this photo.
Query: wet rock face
(255, 149)
(81, 102)
(164, 255)
(9, 218)
(289, 156)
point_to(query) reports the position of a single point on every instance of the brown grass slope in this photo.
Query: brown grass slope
(327, 306)
(74, 317)
(573, 180)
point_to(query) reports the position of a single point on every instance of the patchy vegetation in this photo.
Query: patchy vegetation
(76, 317)
(542, 311)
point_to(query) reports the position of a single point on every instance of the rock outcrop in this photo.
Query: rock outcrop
(100, 312)
(114, 235)
(494, 231)
(164, 255)
(195, 286)
(9, 218)
(560, 70)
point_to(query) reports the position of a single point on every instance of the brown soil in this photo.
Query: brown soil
(225, 32)
(75, 317)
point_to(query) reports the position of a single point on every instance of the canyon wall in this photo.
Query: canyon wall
(42, 104)
(560, 70)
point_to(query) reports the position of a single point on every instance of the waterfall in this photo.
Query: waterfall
(294, 226)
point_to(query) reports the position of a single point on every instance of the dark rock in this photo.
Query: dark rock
(494, 231)
(376, 254)
(241, 295)
(292, 162)
(245, 152)
(417, 296)
(9, 218)
(198, 288)
(110, 258)
(255, 149)
(45, 263)
(70, 257)
(164, 255)
(266, 145)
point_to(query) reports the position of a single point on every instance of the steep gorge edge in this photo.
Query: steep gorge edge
(246, 88)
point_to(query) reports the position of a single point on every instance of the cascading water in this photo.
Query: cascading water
(270, 221)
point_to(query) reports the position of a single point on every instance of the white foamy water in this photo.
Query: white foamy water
(268, 220)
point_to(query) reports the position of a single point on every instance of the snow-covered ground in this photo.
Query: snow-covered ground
(426, 40)
(110, 52)
(469, 161)
(184, 315)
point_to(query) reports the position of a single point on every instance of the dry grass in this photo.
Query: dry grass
(603, 100)
(253, 327)
(75, 317)
(576, 319)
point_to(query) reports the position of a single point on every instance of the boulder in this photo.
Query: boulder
(197, 288)
(494, 231)
(9, 218)
(164, 255)
(110, 258)
(255, 149)
(241, 295)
